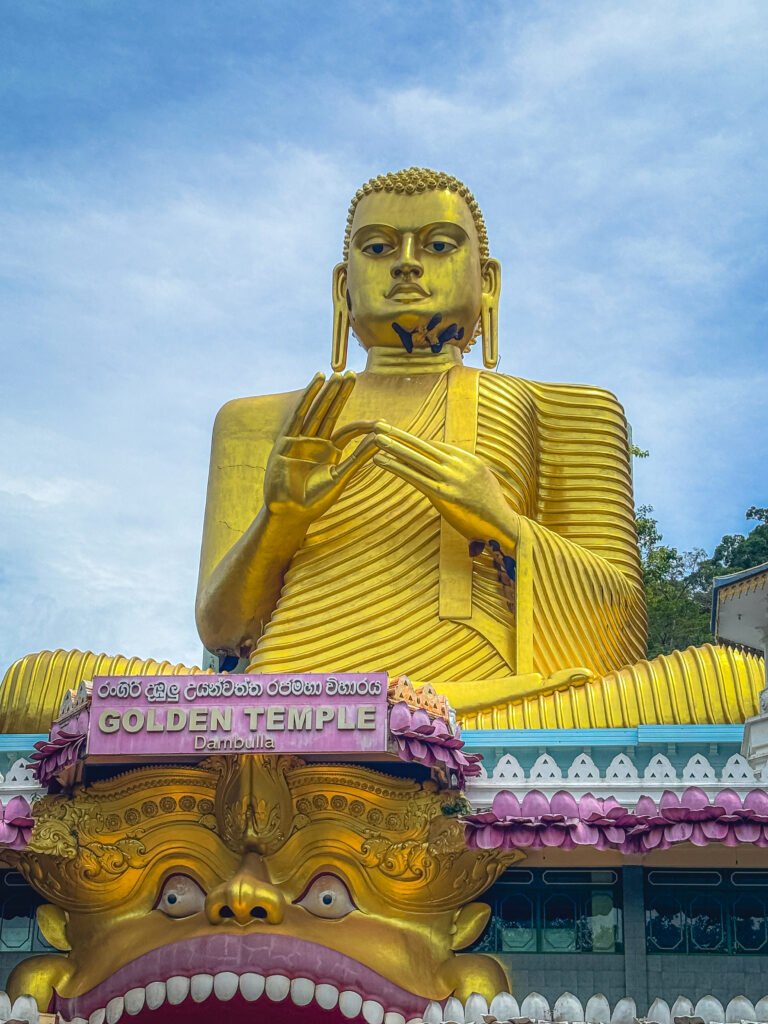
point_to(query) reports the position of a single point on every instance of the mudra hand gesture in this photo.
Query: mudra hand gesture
(305, 473)
(459, 484)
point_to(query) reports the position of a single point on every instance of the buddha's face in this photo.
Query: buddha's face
(411, 259)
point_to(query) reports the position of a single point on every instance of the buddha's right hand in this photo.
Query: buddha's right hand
(305, 473)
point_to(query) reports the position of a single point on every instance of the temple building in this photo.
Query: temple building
(427, 774)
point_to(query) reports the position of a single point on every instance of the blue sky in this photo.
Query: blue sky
(175, 178)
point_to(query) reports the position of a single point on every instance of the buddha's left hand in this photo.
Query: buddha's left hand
(461, 487)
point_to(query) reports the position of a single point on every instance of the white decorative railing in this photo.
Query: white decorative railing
(622, 778)
(505, 1009)
(19, 781)
(568, 1009)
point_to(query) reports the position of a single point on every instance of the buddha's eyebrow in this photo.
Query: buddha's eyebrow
(419, 229)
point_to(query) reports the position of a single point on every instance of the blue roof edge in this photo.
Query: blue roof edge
(655, 735)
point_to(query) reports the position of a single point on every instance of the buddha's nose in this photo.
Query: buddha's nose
(408, 263)
(246, 898)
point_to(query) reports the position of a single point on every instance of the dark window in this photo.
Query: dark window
(706, 911)
(18, 905)
(553, 911)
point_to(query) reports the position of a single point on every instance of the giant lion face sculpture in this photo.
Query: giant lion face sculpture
(289, 891)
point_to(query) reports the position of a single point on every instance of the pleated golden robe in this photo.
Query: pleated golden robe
(378, 582)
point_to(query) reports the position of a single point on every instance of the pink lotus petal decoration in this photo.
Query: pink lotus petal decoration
(429, 741)
(562, 821)
(16, 823)
(64, 747)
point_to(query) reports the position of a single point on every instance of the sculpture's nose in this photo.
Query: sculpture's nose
(407, 263)
(246, 898)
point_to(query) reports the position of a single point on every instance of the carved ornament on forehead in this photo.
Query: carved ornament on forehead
(254, 808)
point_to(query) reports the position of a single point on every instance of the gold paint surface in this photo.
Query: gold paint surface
(260, 829)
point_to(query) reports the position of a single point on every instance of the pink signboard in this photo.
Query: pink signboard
(173, 716)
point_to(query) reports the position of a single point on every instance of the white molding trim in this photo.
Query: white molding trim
(621, 779)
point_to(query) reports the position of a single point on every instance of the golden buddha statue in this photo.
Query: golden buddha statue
(470, 529)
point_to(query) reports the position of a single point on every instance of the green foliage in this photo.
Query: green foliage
(678, 585)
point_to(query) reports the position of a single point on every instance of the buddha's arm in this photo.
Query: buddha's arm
(276, 457)
(238, 597)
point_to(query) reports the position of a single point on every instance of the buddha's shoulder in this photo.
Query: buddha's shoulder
(256, 415)
(546, 393)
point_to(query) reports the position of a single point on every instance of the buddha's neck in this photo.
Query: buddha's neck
(398, 361)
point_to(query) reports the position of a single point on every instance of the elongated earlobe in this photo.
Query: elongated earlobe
(489, 313)
(340, 318)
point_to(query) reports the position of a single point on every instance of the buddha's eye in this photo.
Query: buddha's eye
(181, 897)
(378, 248)
(327, 897)
(439, 245)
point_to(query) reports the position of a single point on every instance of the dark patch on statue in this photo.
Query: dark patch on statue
(424, 335)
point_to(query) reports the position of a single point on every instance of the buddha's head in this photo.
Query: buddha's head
(274, 886)
(417, 274)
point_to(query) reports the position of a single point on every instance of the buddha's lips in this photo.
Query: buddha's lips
(259, 952)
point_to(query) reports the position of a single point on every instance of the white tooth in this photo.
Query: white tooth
(278, 987)
(78, 1020)
(504, 1006)
(302, 991)
(134, 1001)
(251, 986)
(397, 1018)
(454, 1010)
(350, 1003)
(200, 987)
(25, 1008)
(326, 996)
(115, 1009)
(433, 1013)
(177, 989)
(475, 1009)
(97, 1017)
(416, 1020)
(155, 994)
(373, 1012)
(225, 985)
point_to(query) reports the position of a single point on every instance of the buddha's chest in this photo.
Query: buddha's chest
(398, 400)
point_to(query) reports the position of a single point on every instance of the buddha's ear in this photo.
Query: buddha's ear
(468, 924)
(340, 295)
(52, 922)
(491, 274)
(489, 312)
(339, 285)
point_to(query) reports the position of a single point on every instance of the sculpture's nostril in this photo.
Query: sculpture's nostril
(259, 912)
(226, 911)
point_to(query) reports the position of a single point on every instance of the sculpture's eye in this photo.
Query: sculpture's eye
(440, 245)
(378, 248)
(181, 897)
(327, 897)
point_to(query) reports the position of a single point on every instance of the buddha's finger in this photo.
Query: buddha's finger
(411, 441)
(325, 429)
(411, 457)
(311, 391)
(412, 476)
(342, 437)
(362, 454)
(320, 406)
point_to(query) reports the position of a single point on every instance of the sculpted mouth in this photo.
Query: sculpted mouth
(407, 290)
(251, 973)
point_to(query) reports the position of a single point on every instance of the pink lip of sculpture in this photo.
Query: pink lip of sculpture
(258, 952)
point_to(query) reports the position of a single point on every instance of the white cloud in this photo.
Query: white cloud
(617, 154)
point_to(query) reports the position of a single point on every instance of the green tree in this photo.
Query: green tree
(678, 585)
(677, 617)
